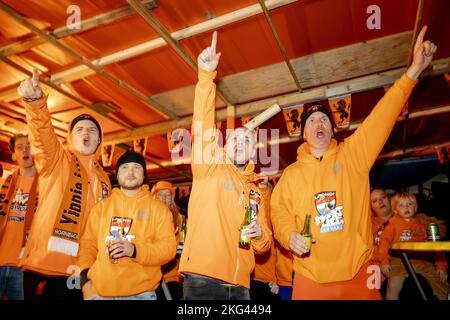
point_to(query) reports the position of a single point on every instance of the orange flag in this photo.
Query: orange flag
(341, 108)
(107, 154)
(140, 145)
(292, 118)
(175, 139)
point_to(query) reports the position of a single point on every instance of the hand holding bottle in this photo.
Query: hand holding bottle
(254, 230)
(298, 243)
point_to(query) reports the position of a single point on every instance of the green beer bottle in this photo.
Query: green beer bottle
(306, 233)
(244, 241)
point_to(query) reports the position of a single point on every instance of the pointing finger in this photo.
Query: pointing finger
(420, 37)
(35, 78)
(214, 41)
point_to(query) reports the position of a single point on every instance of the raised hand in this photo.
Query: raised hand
(209, 59)
(423, 54)
(30, 89)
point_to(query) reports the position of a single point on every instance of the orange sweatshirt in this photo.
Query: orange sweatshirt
(378, 226)
(53, 164)
(217, 204)
(11, 241)
(335, 190)
(265, 263)
(283, 267)
(151, 232)
(170, 270)
(399, 229)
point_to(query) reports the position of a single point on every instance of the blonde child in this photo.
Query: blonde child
(404, 226)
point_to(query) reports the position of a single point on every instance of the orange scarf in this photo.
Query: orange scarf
(66, 230)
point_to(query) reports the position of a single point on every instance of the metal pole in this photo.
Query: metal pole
(412, 273)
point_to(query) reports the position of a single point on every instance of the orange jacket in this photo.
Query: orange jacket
(265, 263)
(217, 203)
(399, 229)
(53, 164)
(378, 226)
(151, 232)
(170, 270)
(335, 190)
(283, 267)
(11, 238)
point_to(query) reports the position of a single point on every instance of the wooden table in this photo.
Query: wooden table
(427, 246)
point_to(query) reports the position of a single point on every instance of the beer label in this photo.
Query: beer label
(243, 239)
(308, 239)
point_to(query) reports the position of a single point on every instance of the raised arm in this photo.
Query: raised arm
(203, 120)
(368, 140)
(47, 150)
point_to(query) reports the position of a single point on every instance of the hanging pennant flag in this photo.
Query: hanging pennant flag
(175, 139)
(183, 191)
(443, 154)
(140, 145)
(292, 118)
(107, 154)
(341, 107)
(405, 109)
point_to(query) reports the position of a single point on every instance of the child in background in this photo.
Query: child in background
(404, 226)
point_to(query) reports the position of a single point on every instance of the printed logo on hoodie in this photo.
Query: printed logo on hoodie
(330, 217)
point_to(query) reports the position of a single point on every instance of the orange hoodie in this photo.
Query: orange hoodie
(399, 229)
(217, 204)
(265, 263)
(378, 226)
(335, 190)
(170, 270)
(53, 164)
(283, 267)
(151, 232)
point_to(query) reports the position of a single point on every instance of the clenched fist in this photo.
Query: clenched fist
(30, 89)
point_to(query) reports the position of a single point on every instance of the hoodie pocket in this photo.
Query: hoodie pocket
(338, 258)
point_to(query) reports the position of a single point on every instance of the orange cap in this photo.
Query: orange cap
(163, 185)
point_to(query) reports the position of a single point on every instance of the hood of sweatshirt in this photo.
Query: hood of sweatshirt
(304, 155)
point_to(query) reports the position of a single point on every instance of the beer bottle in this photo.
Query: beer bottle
(306, 233)
(244, 241)
(183, 229)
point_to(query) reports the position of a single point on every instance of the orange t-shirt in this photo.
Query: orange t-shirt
(12, 239)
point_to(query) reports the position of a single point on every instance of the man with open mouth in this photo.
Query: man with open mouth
(18, 198)
(71, 181)
(330, 181)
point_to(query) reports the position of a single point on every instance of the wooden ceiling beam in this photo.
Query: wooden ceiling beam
(49, 83)
(85, 25)
(51, 39)
(360, 84)
(280, 44)
(172, 42)
(81, 71)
